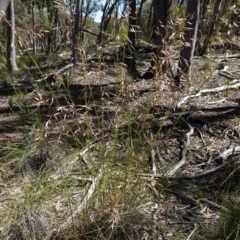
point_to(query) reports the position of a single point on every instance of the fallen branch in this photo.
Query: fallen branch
(196, 202)
(184, 152)
(229, 152)
(152, 157)
(205, 173)
(192, 232)
(88, 31)
(227, 56)
(72, 218)
(227, 75)
(223, 156)
(213, 204)
(70, 65)
(60, 71)
(211, 90)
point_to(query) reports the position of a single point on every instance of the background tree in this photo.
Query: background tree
(131, 40)
(161, 14)
(189, 39)
(108, 9)
(33, 27)
(58, 23)
(212, 28)
(88, 7)
(75, 33)
(11, 45)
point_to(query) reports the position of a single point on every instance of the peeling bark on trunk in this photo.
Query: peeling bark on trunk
(189, 39)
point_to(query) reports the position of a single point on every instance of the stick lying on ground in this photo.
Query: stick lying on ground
(184, 152)
(205, 91)
(223, 156)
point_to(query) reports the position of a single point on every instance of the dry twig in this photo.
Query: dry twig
(192, 232)
(210, 90)
(184, 152)
(72, 218)
(224, 156)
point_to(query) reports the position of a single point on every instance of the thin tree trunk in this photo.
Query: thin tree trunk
(56, 29)
(75, 33)
(11, 47)
(131, 41)
(116, 22)
(150, 18)
(160, 34)
(81, 21)
(88, 11)
(132, 25)
(161, 9)
(107, 12)
(33, 29)
(161, 13)
(139, 14)
(102, 24)
(213, 25)
(203, 10)
(123, 13)
(189, 41)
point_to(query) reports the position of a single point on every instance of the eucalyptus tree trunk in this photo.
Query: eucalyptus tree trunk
(107, 12)
(75, 33)
(131, 41)
(161, 14)
(201, 31)
(160, 34)
(150, 18)
(161, 11)
(11, 47)
(90, 6)
(213, 26)
(189, 39)
(33, 29)
(132, 24)
(139, 14)
(56, 33)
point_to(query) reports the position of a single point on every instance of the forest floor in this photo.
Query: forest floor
(96, 155)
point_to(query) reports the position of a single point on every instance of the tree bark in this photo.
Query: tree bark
(56, 33)
(139, 14)
(189, 39)
(160, 33)
(161, 13)
(11, 47)
(75, 33)
(33, 28)
(131, 41)
(107, 12)
(212, 29)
